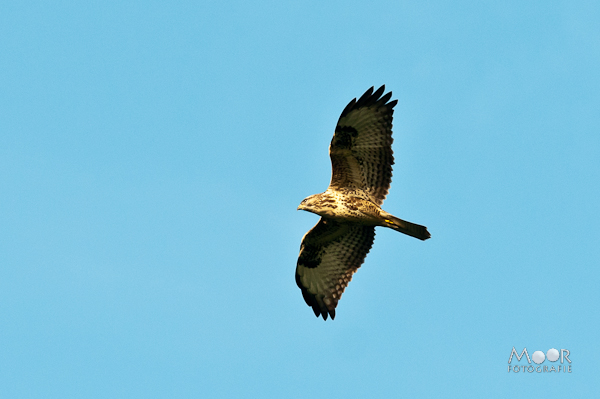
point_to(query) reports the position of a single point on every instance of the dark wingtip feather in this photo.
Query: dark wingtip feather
(370, 98)
(378, 93)
(366, 95)
(324, 314)
(316, 310)
(349, 107)
(385, 98)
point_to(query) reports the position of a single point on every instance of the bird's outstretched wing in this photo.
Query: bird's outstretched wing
(361, 148)
(329, 255)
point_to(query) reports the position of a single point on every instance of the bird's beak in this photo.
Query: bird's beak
(300, 207)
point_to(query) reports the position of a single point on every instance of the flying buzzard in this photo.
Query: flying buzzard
(361, 160)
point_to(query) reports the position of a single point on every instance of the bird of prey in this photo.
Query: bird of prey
(361, 161)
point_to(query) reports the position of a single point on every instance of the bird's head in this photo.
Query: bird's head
(310, 204)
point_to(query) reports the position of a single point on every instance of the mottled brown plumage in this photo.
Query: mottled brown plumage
(361, 160)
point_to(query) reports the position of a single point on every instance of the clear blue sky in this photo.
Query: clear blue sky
(153, 154)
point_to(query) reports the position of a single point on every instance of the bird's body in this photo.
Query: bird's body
(349, 207)
(343, 207)
(361, 157)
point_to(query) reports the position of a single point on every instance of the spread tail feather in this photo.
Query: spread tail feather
(411, 229)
